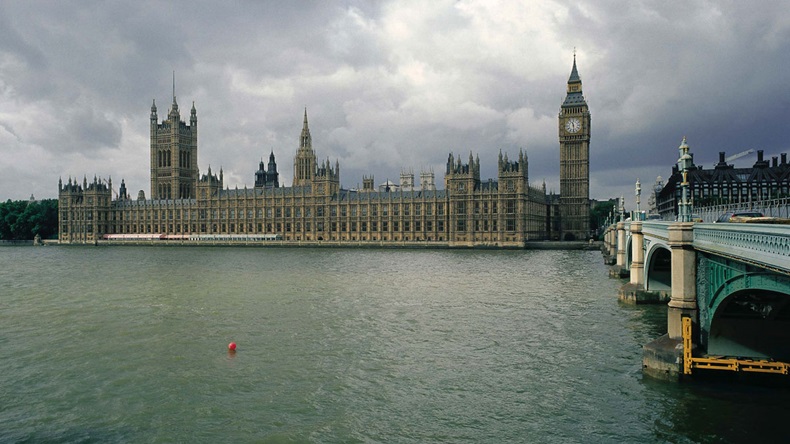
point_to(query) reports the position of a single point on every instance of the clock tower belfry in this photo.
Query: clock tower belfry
(574, 133)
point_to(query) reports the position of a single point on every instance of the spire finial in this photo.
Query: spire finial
(174, 86)
(574, 78)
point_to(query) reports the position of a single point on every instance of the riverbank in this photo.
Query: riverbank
(533, 245)
(15, 243)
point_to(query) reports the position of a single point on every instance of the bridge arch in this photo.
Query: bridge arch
(748, 315)
(658, 268)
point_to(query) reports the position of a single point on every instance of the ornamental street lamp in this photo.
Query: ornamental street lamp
(684, 164)
(638, 192)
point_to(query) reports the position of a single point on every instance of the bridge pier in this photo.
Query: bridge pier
(613, 244)
(609, 247)
(663, 358)
(684, 278)
(637, 254)
(620, 269)
(634, 291)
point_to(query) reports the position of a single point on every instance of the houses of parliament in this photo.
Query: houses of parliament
(504, 212)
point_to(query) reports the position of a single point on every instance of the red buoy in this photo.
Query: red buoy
(232, 346)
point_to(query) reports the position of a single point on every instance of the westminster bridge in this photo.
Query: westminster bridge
(732, 281)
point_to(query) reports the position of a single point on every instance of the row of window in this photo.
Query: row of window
(299, 212)
(288, 227)
(763, 190)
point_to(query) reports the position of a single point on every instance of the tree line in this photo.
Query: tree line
(23, 220)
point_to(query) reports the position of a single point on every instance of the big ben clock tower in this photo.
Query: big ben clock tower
(574, 131)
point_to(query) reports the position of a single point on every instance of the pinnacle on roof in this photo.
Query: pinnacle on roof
(306, 140)
(574, 78)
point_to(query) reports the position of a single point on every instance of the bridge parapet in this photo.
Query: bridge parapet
(767, 246)
(655, 229)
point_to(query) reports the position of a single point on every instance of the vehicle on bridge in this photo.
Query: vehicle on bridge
(738, 216)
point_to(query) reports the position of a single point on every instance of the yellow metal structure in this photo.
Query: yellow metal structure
(721, 363)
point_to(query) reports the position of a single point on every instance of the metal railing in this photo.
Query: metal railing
(725, 363)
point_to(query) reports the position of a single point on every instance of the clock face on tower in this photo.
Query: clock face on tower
(573, 125)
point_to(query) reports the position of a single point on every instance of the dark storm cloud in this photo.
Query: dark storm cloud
(388, 85)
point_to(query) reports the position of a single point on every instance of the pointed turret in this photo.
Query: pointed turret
(174, 106)
(305, 139)
(574, 89)
(574, 78)
(304, 162)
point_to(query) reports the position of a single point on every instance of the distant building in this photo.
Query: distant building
(174, 168)
(269, 177)
(574, 129)
(505, 211)
(724, 184)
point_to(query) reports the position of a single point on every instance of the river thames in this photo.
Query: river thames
(129, 344)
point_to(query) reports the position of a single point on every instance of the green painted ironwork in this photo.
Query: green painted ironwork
(719, 277)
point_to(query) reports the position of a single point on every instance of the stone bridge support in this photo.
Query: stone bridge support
(634, 291)
(663, 358)
(613, 242)
(637, 255)
(684, 278)
(610, 245)
(621, 245)
(620, 269)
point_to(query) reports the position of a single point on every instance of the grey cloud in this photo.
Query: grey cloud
(652, 73)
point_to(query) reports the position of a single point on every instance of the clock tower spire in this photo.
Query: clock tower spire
(574, 134)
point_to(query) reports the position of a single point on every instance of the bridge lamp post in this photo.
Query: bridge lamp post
(684, 164)
(638, 192)
(622, 208)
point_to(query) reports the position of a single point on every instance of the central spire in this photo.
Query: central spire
(306, 140)
(174, 107)
(574, 89)
(574, 78)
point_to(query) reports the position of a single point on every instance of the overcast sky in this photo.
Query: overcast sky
(388, 85)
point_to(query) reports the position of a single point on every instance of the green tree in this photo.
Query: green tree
(22, 220)
(599, 212)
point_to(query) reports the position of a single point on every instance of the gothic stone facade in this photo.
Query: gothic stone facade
(505, 212)
(574, 129)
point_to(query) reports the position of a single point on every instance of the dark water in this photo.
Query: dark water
(129, 344)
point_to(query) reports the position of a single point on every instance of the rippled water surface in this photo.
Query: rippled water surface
(129, 344)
